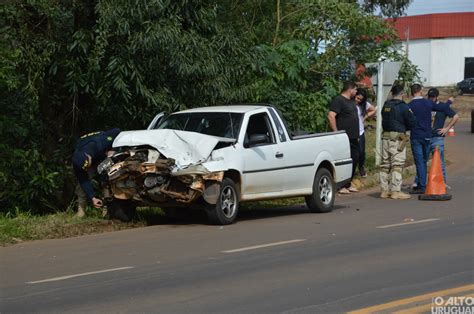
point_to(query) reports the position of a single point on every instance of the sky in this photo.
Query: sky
(418, 7)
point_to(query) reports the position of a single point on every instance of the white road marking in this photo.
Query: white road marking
(80, 275)
(408, 223)
(263, 245)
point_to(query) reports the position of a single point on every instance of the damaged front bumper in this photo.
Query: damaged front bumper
(149, 178)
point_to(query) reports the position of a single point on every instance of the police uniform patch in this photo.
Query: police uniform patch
(86, 164)
(89, 134)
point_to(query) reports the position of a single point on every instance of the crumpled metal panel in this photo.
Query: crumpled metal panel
(128, 180)
(214, 176)
(187, 148)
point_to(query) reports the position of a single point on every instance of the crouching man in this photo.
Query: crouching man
(91, 149)
(397, 118)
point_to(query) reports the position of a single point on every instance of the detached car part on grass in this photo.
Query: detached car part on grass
(142, 176)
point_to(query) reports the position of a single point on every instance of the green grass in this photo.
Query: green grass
(26, 227)
(283, 202)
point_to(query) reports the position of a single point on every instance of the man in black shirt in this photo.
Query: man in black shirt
(343, 116)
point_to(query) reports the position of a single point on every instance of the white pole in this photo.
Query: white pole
(378, 136)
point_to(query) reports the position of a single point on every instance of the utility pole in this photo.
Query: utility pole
(380, 100)
(387, 73)
(407, 34)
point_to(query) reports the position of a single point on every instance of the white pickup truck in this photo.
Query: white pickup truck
(216, 157)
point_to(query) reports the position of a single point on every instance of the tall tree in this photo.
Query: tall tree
(388, 8)
(72, 67)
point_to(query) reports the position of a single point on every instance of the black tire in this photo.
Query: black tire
(324, 192)
(227, 206)
(176, 212)
(472, 121)
(123, 210)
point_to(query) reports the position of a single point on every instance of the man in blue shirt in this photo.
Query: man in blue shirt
(91, 149)
(438, 130)
(420, 136)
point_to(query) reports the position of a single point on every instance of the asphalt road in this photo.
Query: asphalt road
(368, 251)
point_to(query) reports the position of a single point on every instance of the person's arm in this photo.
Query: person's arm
(409, 118)
(440, 107)
(451, 123)
(334, 109)
(86, 186)
(332, 120)
(370, 111)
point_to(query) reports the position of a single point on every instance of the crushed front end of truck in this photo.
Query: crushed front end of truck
(144, 175)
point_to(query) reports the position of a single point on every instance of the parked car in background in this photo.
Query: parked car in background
(216, 157)
(466, 86)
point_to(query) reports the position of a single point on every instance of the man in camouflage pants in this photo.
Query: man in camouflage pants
(397, 118)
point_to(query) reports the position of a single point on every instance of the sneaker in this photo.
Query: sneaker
(80, 212)
(400, 196)
(344, 191)
(363, 174)
(414, 185)
(352, 189)
(385, 194)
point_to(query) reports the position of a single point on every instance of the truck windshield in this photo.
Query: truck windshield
(222, 124)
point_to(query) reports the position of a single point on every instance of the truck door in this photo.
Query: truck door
(298, 157)
(264, 169)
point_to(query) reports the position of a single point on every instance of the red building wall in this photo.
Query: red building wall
(435, 25)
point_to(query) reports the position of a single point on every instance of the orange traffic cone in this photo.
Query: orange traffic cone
(451, 132)
(435, 189)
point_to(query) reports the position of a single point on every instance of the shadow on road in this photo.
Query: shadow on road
(199, 217)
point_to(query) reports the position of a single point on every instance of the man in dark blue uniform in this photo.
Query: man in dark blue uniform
(439, 130)
(422, 133)
(91, 149)
(397, 118)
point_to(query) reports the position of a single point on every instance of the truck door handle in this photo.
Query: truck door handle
(279, 155)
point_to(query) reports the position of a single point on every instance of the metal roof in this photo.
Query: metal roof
(444, 25)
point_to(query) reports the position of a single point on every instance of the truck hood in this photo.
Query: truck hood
(186, 148)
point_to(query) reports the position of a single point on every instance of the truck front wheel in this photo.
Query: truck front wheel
(123, 210)
(322, 199)
(227, 206)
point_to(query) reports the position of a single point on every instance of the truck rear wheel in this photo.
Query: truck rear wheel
(123, 210)
(224, 212)
(324, 188)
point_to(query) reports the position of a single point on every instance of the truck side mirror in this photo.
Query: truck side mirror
(256, 139)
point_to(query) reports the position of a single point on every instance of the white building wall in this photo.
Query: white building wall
(448, 60)
(441, 61)
(419, 53)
